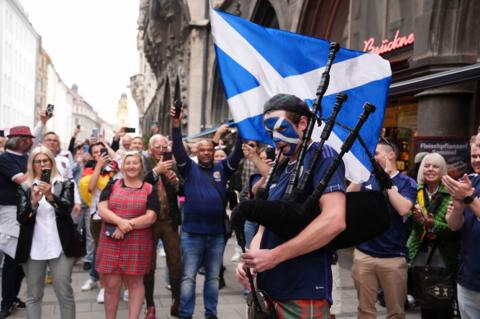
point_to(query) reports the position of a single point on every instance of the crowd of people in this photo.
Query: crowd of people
(110, 204)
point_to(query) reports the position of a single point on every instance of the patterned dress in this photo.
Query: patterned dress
(132, 254)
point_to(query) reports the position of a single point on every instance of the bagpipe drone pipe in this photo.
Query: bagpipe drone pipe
(367, 213)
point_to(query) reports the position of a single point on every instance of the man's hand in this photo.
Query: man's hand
(260, 260)
(248, 151)
(458, 189)
(43, 116)
(241, 274)
(163, 167)
(171, 177)
(418, 214)
(176, 121)
(103, 160)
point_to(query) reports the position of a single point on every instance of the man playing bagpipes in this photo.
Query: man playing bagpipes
(295, 273)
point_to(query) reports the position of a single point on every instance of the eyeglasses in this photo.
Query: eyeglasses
(41, 161)
(158, 147)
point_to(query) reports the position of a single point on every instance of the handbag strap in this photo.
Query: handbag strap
(214, 186)
(430, 255)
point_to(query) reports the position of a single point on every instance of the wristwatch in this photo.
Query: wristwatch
(469, 199)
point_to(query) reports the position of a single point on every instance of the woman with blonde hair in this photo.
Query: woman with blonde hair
(128, 207)
(431, 242)
(47, 233)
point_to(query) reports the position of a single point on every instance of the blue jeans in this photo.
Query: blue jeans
(468, 302)
(198, 249)
(250, 229)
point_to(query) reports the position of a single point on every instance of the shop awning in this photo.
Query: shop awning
(457, 75)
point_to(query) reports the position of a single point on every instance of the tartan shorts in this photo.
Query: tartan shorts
(303, 309)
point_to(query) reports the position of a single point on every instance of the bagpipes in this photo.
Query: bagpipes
(366, 212)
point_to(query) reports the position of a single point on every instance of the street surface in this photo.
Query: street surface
(231, 300)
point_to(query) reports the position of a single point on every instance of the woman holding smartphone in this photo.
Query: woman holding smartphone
(47, 233)
(128, 208)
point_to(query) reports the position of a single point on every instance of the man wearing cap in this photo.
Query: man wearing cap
(13, 165)
(296, 273)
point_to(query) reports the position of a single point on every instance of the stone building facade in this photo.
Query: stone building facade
(419, 37)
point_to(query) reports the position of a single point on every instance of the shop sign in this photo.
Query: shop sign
(456, 152)
(388, 45)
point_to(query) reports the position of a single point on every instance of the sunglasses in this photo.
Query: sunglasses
(252, 144)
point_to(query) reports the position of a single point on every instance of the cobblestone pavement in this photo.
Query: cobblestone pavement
(231, 300)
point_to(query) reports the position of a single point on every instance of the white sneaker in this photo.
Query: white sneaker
(162, 252)
(125, 295)
(89, 284)
(101, 296)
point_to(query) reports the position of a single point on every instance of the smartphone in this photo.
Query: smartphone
(129, 130)
(167, 156)
(45, 177)
(178, 108)
(104, 150)
(49, 111)
(110, 229)
(2, 133)
(86, 148)
(78, 126)
(95, 133)
(270, 151)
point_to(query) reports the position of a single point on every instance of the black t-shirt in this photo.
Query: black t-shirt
(10, 165)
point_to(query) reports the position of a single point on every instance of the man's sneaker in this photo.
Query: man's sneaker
(4, 313)
(89, 284)
(19, 304)
(161, 252)
(101, 296)
(125, 295)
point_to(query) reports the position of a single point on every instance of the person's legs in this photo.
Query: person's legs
(61, 270)
(171, 243)
(112, 285)
(136, 293)
(149, 279)
(468, 302)
(366, 284)
(193, 247)
(392, 274)
(35, 272)
(12, 275)
(215, 246)
(90, 244)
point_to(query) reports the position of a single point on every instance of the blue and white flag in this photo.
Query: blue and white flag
(256, 63)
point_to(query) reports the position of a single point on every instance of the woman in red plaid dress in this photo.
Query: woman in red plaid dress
(128, 208)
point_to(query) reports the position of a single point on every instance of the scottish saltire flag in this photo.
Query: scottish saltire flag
(256, 63)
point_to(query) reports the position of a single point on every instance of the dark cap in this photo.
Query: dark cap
(287, 102)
